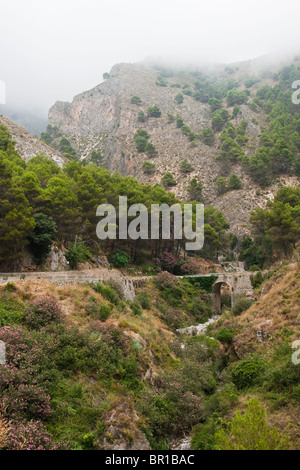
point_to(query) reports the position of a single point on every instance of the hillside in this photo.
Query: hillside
(121, 378)
(107, 118)
(29, 146)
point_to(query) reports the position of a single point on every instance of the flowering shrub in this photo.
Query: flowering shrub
(188, 267)
(26, 400)
(167, 261)
(30, 436)
(166, 280)
(42, 312)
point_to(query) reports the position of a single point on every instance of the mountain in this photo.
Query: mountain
(29, 146)
(107, 118)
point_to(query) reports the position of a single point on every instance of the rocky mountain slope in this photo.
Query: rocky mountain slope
(105, 119)
(29, 146)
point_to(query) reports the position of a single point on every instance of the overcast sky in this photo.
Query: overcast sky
(53, 50)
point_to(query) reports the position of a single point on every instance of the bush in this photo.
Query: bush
(257, 279)
(107, 292)
(168, 180)
(141, 143)
(247, 373)
(136, 100)
(10, 287)
(186, 167)
(42, 312)
(77, 253)
(179, 98)
(250, 431)
(141, 116)
(144, 300)
(150, 150)
(31, 435)
(136, 309)
(154, 111)
(167, 261)
(148, 168)
(225, 336)
(204, 435)
(120, 259)
(241, 305)
(234, 183)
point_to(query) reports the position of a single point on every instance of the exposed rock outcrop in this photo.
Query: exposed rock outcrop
(105, 119)
(29, 146)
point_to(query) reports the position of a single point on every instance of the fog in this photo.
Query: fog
(53, 50)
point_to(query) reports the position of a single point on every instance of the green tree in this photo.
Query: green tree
(148, 168)
(141, 116)
(151, 150)
(168, 180)
(195, 190)
(153, 111)
(186, 167)
(221, 185)
(42, 237)
(179, 98)
(136, 100)
(207, 136)
(234, 182)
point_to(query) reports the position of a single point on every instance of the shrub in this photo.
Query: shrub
(77, 253)
(107, 292)
(250, 431)
(104, 312)
(10, 287)
(241, 305)
(31, 435)
(186, 167)
(161, 81)
(204, 435)
(225, 336)
(168, 180)
(234, 183)
(141, 143)
(166, 280)
(179, 98)
(144, 300)
(150, 150)
(186, 268)
(141, 116)
(167, 261)
(11, 311)
(148, 168)
(179, 122)
(136, 100)
(120, 259)
(257, 279)
(247, 373)
(153, 111)
(42, 312)
(136, 309)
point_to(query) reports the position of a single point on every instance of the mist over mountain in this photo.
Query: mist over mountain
(147, 120)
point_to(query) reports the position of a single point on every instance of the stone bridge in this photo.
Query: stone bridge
(238, 282)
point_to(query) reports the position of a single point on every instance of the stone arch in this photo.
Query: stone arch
(217, 295)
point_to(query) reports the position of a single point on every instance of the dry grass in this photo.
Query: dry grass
(279, 304)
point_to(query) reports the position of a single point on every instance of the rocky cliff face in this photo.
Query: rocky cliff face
(105, 119)
(29, 146)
